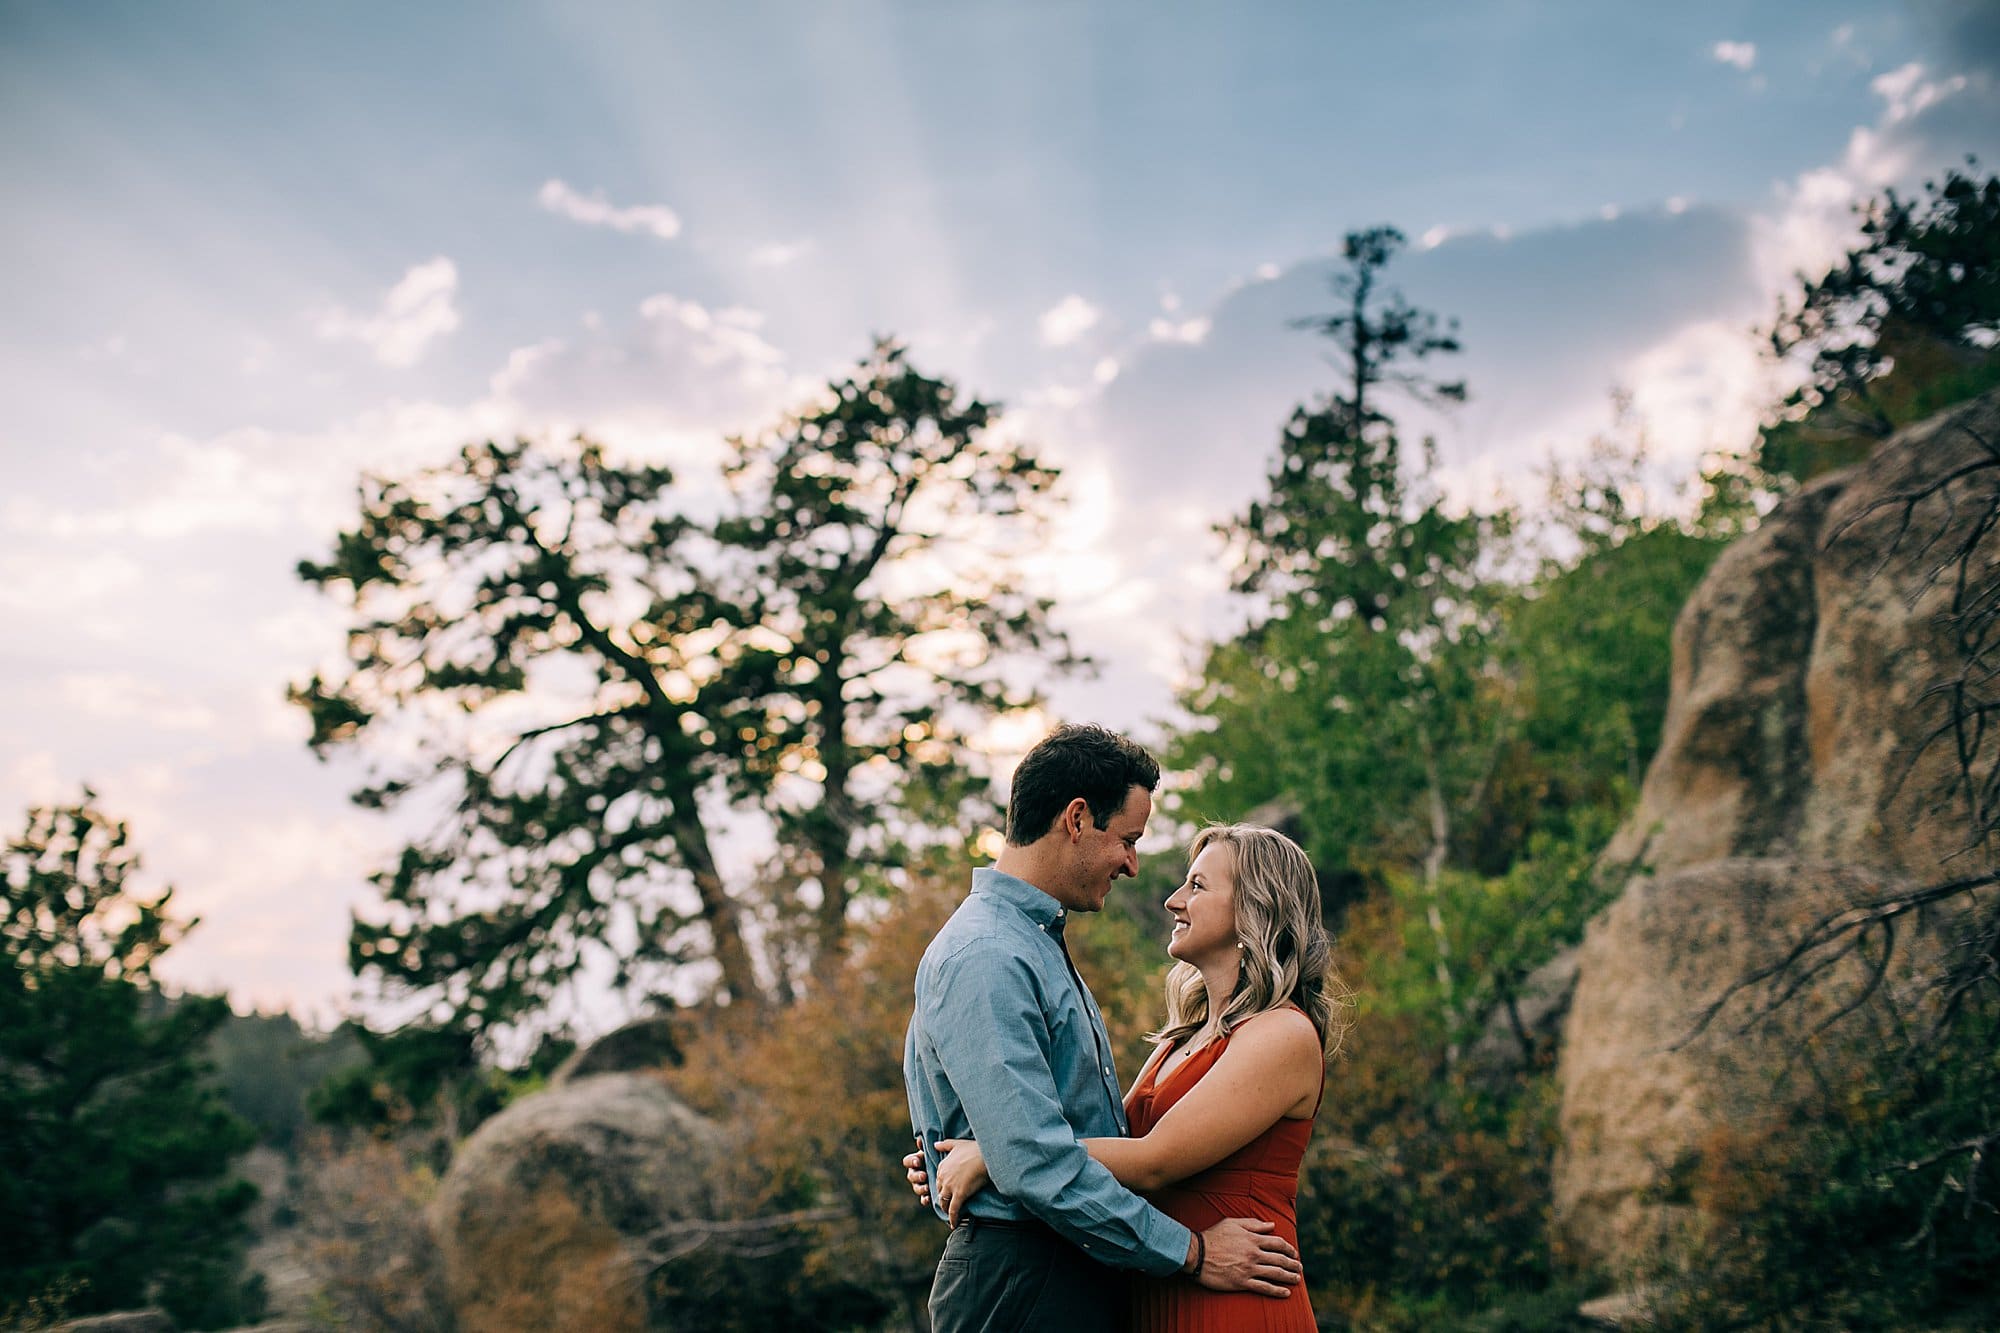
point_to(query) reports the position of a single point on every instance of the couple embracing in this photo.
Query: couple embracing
(1051, 1180)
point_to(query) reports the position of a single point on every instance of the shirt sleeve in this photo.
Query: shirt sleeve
(986, 1025)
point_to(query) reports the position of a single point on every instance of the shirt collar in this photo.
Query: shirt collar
(1022, 896)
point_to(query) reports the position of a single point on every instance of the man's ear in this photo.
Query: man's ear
(1075, 815)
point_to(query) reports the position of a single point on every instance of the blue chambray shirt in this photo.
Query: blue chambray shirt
(1006, 1047)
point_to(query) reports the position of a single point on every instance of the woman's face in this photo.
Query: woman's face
(1204, 910)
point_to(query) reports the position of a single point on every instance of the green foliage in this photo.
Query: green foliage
(589, 674)
(405, 1074)
(1876, 1211)
(1425, 1200)
(1419, 1204)
(1504, 926)
(1902, 326)
(114, 1147)
(1352, 778)
(1586, 649)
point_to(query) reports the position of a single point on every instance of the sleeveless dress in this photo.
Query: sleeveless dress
(1260, 1180)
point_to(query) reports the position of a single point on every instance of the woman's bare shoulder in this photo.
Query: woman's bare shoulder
(1282, 1033)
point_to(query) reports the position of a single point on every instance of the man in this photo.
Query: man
(1007, 1046)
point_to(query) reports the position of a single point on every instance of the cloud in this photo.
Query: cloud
(1068, 320)
(416, 312)
(1925, 121)
(1190, 331)
(1700, 389)
(1743, 55)
(594, 210)
(1909, 92)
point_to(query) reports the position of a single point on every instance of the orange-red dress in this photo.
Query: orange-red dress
(1260, 1179)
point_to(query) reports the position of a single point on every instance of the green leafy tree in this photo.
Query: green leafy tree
(1904, 325)
(593, 679)
(115, 1149)
(1341, 531)
(1365, 691)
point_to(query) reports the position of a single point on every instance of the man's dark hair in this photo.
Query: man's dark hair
(1075, 760)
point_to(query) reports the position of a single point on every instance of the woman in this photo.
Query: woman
(1223, 1108)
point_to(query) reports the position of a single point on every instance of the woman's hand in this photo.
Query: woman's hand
(961, 1174)
(920, 1181)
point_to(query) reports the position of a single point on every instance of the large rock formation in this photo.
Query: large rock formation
(556, 1213)
(1792, 781)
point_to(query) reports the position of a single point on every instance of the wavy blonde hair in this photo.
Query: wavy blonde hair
(1286, 957)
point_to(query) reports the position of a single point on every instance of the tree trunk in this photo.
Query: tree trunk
(1433, 872)
(835, 827)
(720, 911)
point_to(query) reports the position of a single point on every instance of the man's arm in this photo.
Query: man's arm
(984, 1022)
(1236, 1254)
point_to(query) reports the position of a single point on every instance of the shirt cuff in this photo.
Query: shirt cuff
(1166, 1246)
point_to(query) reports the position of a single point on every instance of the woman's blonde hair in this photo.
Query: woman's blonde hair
(1285, 956)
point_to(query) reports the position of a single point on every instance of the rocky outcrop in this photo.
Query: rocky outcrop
(1644, 1085)
(556, 1213)
(1792, 780)
(644, 1043)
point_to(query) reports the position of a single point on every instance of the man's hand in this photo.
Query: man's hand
(913, 1167)
(920, 1181)
(961, 1174)
(1244, 1254)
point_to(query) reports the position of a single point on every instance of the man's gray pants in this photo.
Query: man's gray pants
(1017, 1277)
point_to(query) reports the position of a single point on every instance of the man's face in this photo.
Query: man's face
(1102, 855)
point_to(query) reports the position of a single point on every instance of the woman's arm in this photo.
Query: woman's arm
(1271, 1069)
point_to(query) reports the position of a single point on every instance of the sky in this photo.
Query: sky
(257, 250)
